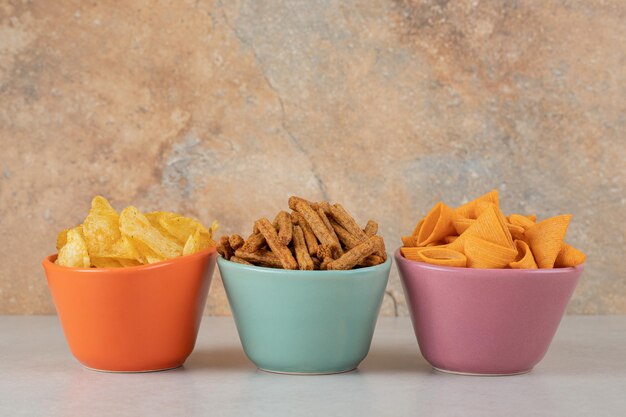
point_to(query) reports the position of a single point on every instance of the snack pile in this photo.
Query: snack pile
(108, 240)
(313, 236)
(478, 235)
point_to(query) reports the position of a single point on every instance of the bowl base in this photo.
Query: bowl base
(108, 371)
(447, 371)
(306, 373)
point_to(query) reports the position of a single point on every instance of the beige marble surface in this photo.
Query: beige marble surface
(221, 110)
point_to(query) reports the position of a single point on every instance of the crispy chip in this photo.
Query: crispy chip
(412, 253)
(524, 258)
(409, 241)
(521, 220)
(417, 228)
(546, 239)
(193, 243)
(101, 227)
(442, 256)
(61, 239)
(485, 254)
(145, 236)
(74, 253)
(569, 256)
(106, 263)
(437, 225)
(450, 239)
(468, 210)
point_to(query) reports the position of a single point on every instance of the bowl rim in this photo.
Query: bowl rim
(454, 269)
(48, 263)
(310, 273)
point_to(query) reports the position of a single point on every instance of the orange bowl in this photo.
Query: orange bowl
(136, 319)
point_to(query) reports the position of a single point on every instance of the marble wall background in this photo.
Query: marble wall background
(223, 109)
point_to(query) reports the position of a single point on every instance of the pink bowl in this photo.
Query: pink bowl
(485, 321)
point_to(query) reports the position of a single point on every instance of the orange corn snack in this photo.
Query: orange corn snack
(442, 256)
(437, 225)
(481, 234)
(412, 253)
(524, 258)
(521, 220)
(481, 253)
(546, 238)
(468, 210)
(569, 256)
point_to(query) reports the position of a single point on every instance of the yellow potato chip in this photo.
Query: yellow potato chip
(546, 239)
(437, 225)
(481, 253)
(524, 258)
(182, 227)
(521, 220)
(61, 239)
(569, 256)
(74, 253)
(155, 218)
(150, 243)
(468, 210)
(409, 241)
(105, 262)
(442, 256)
(101, 227)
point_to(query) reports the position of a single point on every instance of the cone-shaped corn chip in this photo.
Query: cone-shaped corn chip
(481, 253)
(450, 239)
(409, 241)
(442, 256)
(569, 256)
(461, 224)
(468, 210)
(411, 253)
(490, 226)
(517, 232)
(416, 231)
(524, 258)
(546, 238)
(521, 220)
(437, 225)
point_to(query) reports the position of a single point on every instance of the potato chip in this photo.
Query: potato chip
(569, 256)
(193, 243)
(105, 263)
(546, 239)
(442, 256)
(437, 225)
(484, 254)
(74, 253)
(155, 218)
(101, 227)
(468, 210)
(145, 236)
(524, 258)
(61, 239)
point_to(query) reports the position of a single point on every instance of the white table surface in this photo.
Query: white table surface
(583, 374)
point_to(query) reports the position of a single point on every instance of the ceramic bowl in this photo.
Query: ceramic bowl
(305, 322)
(135, 319)
(485, 321)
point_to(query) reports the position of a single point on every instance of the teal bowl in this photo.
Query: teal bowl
(305, 322)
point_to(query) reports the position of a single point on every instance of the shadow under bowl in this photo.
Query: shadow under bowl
(135, 319)
(485, 321)
(305, 322)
